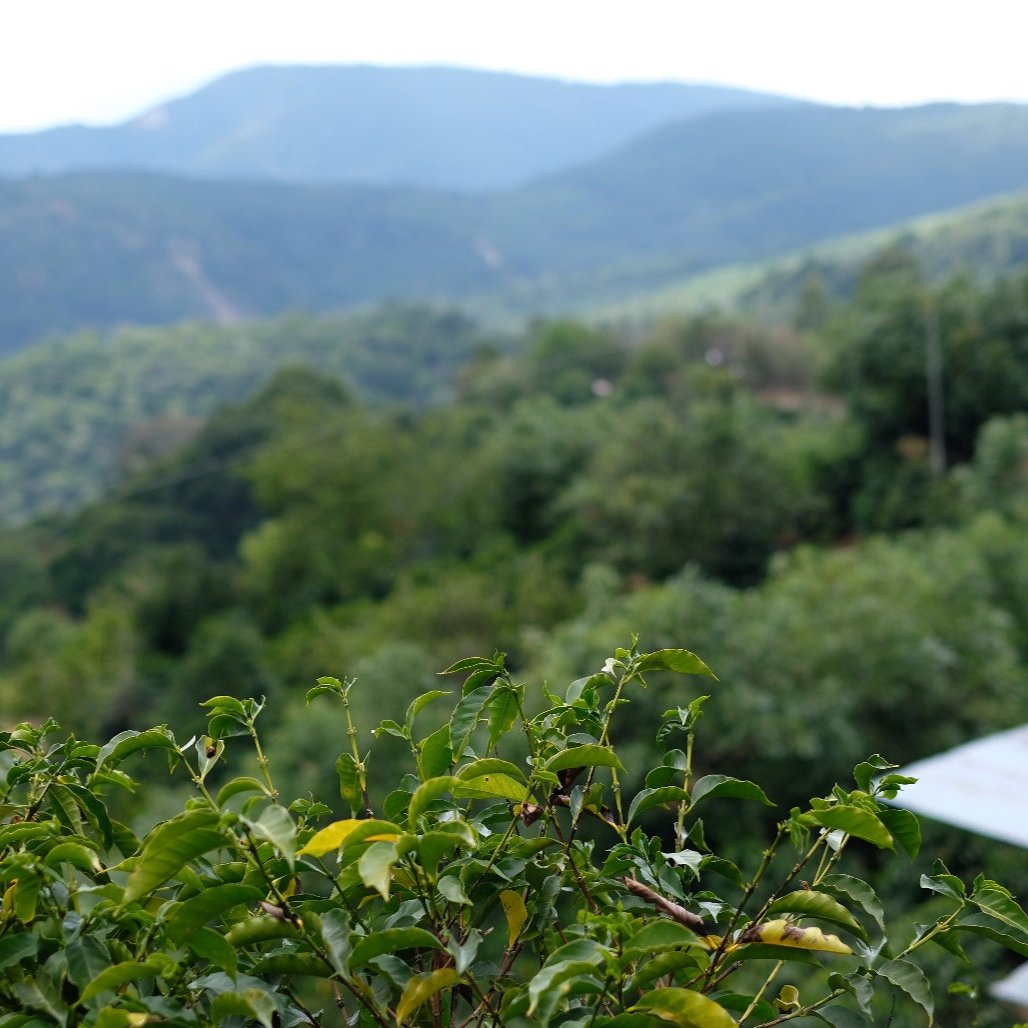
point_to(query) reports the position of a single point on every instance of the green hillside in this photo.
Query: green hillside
(78, 412)
(443, 128)
(985, 241)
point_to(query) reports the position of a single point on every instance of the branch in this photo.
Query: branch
(673, 910)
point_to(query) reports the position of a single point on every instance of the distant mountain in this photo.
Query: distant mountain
(745, 184)
(442, 128)
(100, 249)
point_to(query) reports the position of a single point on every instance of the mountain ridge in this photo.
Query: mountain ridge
(98, 249)
(430, 126)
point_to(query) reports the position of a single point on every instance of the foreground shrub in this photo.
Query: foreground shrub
(506, 879)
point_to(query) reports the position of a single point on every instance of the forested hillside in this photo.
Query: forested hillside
(304, 528)
(103, 249)
(765, 496)
(76, 413)
(985, 241)
(443, 128)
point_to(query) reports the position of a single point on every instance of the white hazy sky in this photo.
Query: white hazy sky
(105, 60)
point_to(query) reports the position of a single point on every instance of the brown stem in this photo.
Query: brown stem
(673, 910)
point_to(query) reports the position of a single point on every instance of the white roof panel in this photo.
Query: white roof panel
(1014, 988)
(981, 786)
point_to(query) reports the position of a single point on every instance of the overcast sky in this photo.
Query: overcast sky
(105, 60)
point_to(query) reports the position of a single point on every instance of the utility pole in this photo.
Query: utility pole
(933, 368)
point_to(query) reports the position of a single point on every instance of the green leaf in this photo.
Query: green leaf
(15, 948)
(910, 978)
(169, 847)
(471, 664)
(503, 712)
(128, 742)
(714, 786)
(255, 930)
(769, 951)
(554, 979)
(857, 984)
(859, 892)
(647, 799)
(422, 987)
(26, 897)
(332, 930)
(999, 904)
(683, 662)
(436, 755)
(450, 888)
(201, 909)
(215, 948)
(1006, 917)
(838, 1016)
(293, 963)
(74, 853)
(432, 847)
(275, 825)
(578, 688)
(488, 786)
(112, 978)
(904, 827)
(478, 680)
(238, 786)
(488, 766)
(350, 788)
(855, 821)
(589, 755)
(59, 799)
(865, 772)
(942, 882)
(658, 937)
(252, 1004)
(95, 810)
(12, 834)
(391, 940)
(465, 718)
(375, 867)
(418, 704)
(812, 903)
(425, 794)
(464, 955)
(229, 704)
(87, 956)
(685, 1008)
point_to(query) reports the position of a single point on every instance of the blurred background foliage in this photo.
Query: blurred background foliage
(378, 496)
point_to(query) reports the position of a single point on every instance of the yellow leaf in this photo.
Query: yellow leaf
(517, 914)
(783, 933)
(422, 987)
(332, 837)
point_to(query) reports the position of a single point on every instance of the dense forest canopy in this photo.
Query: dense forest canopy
(318, 520)
(374, 495)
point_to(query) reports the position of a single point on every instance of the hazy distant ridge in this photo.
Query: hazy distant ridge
(432, 127)
(734, 186)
